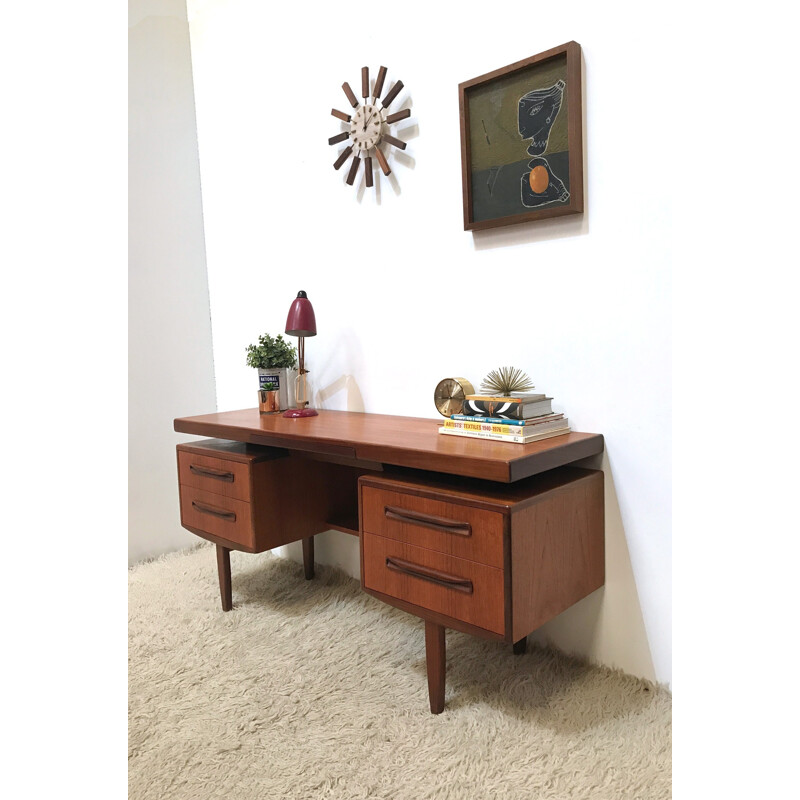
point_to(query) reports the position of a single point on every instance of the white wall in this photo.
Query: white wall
(404, 297)
(170, 366)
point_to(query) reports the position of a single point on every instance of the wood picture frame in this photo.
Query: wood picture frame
(522, 140)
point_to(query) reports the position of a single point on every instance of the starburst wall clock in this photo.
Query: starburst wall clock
(368, 126)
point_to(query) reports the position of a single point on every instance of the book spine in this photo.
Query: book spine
(485, 398)
(494, 420)
(499, 437)
(489, 409)
(504, 430)
(503, 421)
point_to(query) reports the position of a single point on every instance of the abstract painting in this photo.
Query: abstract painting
(522, 141)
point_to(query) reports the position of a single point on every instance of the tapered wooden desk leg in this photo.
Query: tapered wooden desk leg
(308, 557)
(521, 647)
(436, 661)
(224, 569)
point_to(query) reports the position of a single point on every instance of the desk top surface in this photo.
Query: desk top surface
(401, 441)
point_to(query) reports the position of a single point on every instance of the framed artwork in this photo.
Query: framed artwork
(522, 141)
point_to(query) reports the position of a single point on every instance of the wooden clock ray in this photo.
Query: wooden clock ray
(368, 126)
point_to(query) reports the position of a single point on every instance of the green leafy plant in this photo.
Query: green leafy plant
(271, 352)
(505, 380)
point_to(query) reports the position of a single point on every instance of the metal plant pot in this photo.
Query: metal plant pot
(276, 382)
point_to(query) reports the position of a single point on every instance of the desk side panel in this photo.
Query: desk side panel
(291, 501)
(557, 553)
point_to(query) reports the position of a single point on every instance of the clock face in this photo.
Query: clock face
(453, 406)
(449, 395)
(366, 127)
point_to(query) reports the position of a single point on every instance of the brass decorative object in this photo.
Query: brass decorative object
(505, 380)
(450, 394)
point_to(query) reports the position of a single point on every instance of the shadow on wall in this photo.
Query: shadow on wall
(398, 157)
(558, 228)
(608, 625)
(346, 383)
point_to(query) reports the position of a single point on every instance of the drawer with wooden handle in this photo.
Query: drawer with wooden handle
(224, 517)
(441, 525)
(218, 475)
(455, 587)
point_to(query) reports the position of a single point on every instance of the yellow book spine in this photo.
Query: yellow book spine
(483, 427)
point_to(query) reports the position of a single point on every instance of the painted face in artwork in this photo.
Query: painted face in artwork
(541, 185)
(537, 113)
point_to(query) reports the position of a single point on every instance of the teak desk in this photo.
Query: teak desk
(484, 537)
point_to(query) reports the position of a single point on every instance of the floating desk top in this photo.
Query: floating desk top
(400, 441)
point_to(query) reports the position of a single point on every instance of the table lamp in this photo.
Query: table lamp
(301, 322)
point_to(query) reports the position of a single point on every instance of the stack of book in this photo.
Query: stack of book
(519, 418)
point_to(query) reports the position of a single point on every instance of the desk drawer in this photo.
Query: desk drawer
(225, 517)
(217, 475)
(441, 525)
(458, 588)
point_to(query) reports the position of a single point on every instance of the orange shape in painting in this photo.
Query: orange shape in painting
(539, 179)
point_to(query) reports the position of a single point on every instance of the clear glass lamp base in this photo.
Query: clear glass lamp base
(301, 392)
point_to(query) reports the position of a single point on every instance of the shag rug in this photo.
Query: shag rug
(313, 689)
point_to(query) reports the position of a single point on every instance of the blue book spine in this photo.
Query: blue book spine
(494, 420)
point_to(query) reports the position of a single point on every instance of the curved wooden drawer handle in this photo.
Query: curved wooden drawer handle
(428, 574)
(442, 524)
(207, 472)
(215, 512)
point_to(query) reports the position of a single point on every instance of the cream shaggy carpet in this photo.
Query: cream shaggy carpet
(312, 689)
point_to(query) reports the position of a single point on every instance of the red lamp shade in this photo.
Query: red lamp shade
(301, 320)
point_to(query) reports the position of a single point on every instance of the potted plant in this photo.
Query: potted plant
(276, 362)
